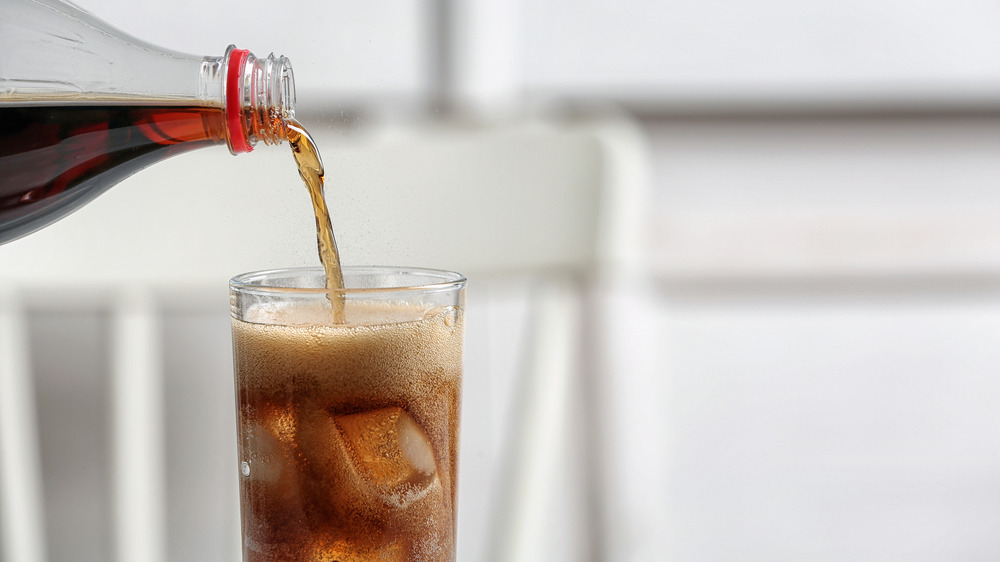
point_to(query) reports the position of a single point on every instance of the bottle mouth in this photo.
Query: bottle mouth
(280, 85)
(260, 99)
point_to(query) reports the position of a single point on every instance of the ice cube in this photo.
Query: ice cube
(353, 551)
(269, 442)
(281, 423)
(391, 452)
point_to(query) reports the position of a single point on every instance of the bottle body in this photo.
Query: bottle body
(83, 106)
(56, 158)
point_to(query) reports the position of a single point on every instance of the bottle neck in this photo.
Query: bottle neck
(259, 99)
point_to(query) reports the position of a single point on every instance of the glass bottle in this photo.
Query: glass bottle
(84, 105)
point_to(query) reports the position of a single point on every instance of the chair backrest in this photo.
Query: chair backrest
(127, 297)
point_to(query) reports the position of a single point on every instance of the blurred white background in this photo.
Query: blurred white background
(735, 276)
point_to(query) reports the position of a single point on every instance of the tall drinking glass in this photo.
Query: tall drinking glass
(348, 432)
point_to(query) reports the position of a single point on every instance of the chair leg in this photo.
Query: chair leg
(22, 527)
(537, 446)
(138, 422)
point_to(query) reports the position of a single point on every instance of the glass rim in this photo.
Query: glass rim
(244, 282)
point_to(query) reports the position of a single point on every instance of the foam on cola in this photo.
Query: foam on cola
(349, 432)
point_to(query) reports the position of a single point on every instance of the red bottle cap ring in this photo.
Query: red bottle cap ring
(234, 72)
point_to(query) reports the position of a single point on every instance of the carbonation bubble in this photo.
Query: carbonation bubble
(245, 468)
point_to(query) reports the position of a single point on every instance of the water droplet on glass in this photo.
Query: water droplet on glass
(450, 316)
(245, 468)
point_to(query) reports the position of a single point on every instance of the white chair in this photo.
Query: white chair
(541, 215)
